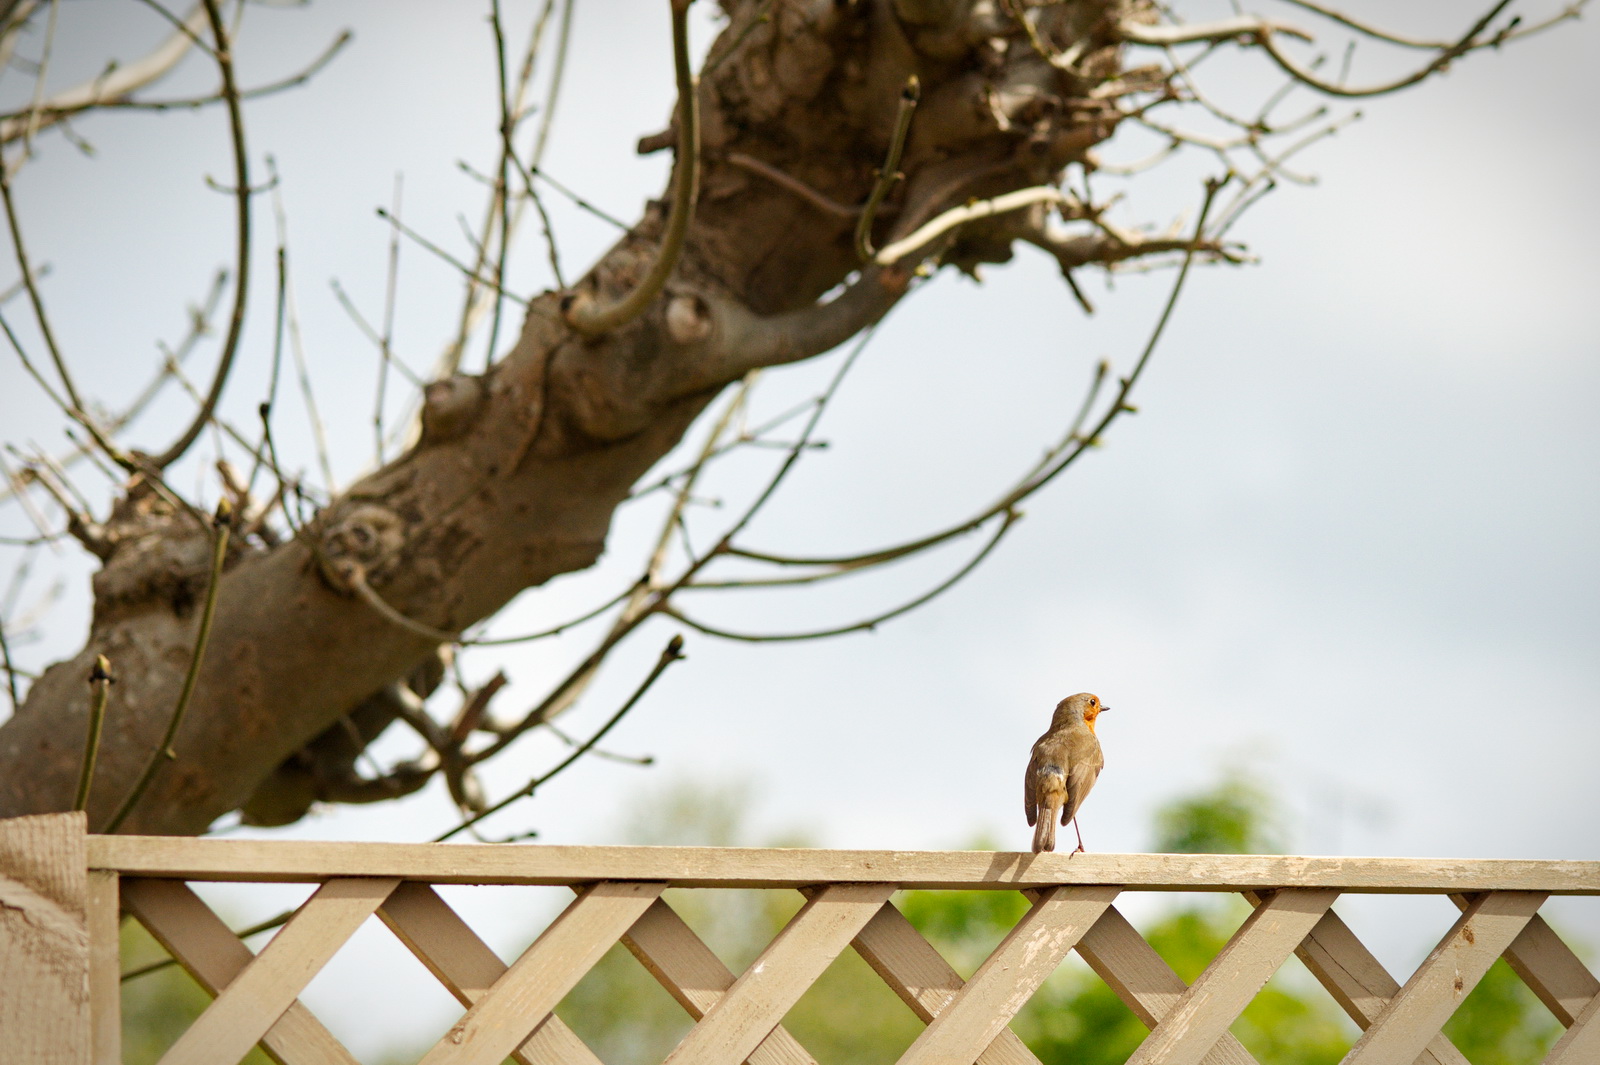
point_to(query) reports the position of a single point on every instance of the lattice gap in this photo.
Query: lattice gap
(933, 994)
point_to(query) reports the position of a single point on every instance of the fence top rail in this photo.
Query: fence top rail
(297, 861)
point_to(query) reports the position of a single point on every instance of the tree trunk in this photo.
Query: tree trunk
(517, 472)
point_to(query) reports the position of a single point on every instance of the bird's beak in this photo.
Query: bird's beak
(1103, 709)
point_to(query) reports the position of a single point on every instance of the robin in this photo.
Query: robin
(1064, 765)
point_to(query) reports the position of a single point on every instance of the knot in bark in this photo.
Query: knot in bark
(365, 540)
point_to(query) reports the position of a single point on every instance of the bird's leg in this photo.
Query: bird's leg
(1079, 831)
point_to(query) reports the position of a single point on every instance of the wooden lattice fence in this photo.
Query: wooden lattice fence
(62, 894)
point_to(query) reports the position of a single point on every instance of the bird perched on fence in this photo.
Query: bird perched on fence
(1065, 763)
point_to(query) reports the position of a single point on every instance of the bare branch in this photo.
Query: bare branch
(223, 52)
(100, 680)
(889, 174)
(867, 625)
(114, 85)
(583, 311)
(672, 653)
(164, 751)
(1242, 27)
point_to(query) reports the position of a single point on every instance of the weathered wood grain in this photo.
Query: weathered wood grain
(1445, 978)
(1010, 975)
(740, 1020)
(44, 940)
(465, 965)
(1242, 968)
(505, 1016)
(918, 973)
(1562, 982)
(467, 863)
(694, 975)
(105, 968)
(1581, 1043)
(215, 957)
(1144, 981)
(1360, 983)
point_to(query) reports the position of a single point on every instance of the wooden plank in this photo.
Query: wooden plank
(918, 973)
(466, 966)
(1240, 970)
(1144, 981)
(1445, 978)
(518, 1002)
(1562, 982)
(105, 968)
(467, 863)
(739, 1021)
(256, 994)
(1581, 1043)
(214, 956)
(1358, 981)
(694, 975)
(44, 940)
(1010, 975)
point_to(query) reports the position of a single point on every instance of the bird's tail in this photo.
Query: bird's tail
(1044, 831)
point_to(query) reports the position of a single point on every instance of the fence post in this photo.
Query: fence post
(44, 940)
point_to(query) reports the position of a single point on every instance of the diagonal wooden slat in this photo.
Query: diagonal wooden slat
(1357, 980)
(1581, 1043)
(219, 962)
(1010, 975)
(1444, 978)
(1562, 982)
(1235, 975)
(918, 973)
(694, 975)
(506, 1015)
(738, 1022)
(209, 951)
(466, 966)
(1144, 981)
(105, 968)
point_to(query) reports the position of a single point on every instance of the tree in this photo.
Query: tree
(838, 155)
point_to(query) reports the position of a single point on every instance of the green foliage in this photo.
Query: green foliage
(1501, 1022)
(1236, 816)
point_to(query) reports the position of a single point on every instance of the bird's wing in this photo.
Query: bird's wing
(1087, 761)
(1030, 804)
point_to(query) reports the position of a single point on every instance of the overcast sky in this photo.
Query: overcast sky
(1349, 542)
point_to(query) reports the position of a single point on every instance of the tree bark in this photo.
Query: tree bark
(518, 472)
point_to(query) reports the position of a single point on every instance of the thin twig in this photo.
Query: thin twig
(583, 313)
(450, 259)
(825, 204)
(672, 653)
(932, 230)
(291, 315)
(100, 681)
(20, 250)
(10, 667)
(1010, 519)
(502, 184)
(358, 583)
(113, 84)
(189, 103)
(385, 343)
(1057, 461)
(164, 752)
(242, 192)
(1467, 43)
(890, 173)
